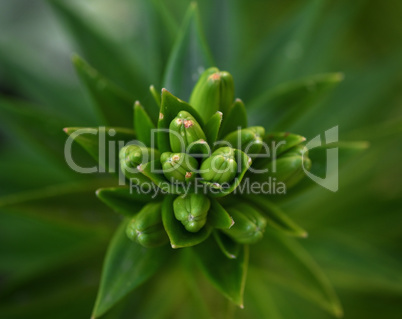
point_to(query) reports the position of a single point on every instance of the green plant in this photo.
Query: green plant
(66, 229)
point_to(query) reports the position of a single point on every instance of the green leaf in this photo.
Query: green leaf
(32, 125)
(170, 107)
(122, 68)
(218, 217)
(190, 56)
(290, 265)
(280, 107)
(244, 163)
(30, 73)
(227, 275)
(127, 265)
(230, 248)
(124, 200)
(212, 128)
(235, 119)
(280, 55)
(276, 218)
(178, 235)
(45, 246)
(143, 125)
(151, 48)
(97, 142)
(80, 208)
(113, 104)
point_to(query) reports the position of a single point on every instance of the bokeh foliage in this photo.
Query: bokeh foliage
(54, 232)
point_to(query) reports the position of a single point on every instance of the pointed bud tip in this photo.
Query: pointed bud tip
(215, 76)
(233, 222)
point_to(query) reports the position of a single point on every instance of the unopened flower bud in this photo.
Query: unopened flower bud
(288, 167)
(249, 140)
(131, 156)
(184, 131)
(179, 167)
(192, 210)
(213, 92)
(146, 227)
(249, 224)
(221, 167)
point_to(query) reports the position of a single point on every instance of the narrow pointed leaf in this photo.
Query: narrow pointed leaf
(156, 96)
(212, 128)
(170, 107)
(290, 265)
(153, 49)
(31, 124)
(33, 76)
(281, 57)
(178, 235)
(235, 119)
(113, 104)
(143, 125)
(96, 141)
(283, 105)
(127, 265)
(124, 200)
(229, 248)
(80, 206)
(190, 56)
(227, 275)
(98, 48)
(275, 216)
(218, 217)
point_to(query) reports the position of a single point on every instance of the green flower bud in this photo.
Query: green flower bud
(146, 227)
(288, 167)
(249, 224)
(179, 167)
(184, 131)
(213, 92)
(192, 210)
(131, 156)
(249, 140)
(221, 167)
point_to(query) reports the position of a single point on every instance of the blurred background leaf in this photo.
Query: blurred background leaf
(53, 237)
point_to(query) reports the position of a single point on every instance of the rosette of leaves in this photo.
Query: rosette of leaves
(174, 152)
(52, 264)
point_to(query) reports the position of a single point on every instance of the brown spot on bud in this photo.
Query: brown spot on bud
(215, 77)
(188, 123)
(188, 174)
(175, 158)
(161, 116)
